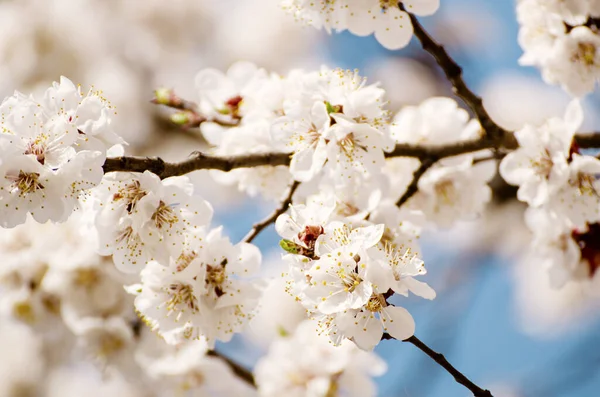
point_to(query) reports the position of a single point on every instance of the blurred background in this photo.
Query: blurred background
(495, 318)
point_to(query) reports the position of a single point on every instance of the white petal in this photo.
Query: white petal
(419, 288)
(367, 331)
(399, 322)
(395, 30)
(421, 7)
(574, 116)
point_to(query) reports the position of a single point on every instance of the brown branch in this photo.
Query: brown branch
(237, 369)
(453, 73)
(414, 184)
(439, 358)
(200, 161)
(285, 203)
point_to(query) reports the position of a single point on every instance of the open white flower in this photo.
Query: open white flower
(143, 218)
(539, 166)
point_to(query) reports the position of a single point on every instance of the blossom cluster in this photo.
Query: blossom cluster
(561, 38)
(385, 19)
(51, 151)
(560, 185)
(190, 286)
(350, 234)
(58, 293)
(338, 131)
(343, 274)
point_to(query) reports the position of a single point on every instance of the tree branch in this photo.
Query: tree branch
(201, 161)
(453, 73)
(414, 184)
(198, 161)
(285, 203)
(439, 358)
(237, 369)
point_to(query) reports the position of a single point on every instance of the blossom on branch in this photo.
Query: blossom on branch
(383, 18)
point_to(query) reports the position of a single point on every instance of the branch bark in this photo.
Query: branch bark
(201, 161)
(285, 203)
(439, 358)
(197, 161)
(237, 369)
(413, 187)
(453, 73)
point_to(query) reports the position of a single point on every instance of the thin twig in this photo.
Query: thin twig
(189, 110)
(441, 360)
(414, 184)
(237, 369)
(454, 74)
(285, 203)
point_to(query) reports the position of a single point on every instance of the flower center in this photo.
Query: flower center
(216, 276)
(37, 147)
(184, 260)
(447, 191)
(26, 182)
(309, 236)
(542, 166)
(110, 344)
(387, 4)
(585, 184)
(348, 146)
(86, 277)
(164, 215)
(350, 280)
(376, 303)
(586, 54)
(232, 107)
(181, 296)
(347, 209)
(131, 194)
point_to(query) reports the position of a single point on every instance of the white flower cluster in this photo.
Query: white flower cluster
(343, 275)
(455, 188)
(72, 301)
(561, 187)
(383, 18)
(306, 364)
(350, 247)
(51, 152)
(336, 128)
(561, 38)
(190, 276)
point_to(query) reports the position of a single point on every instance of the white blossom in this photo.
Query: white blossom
(383, 18)
(306, 364)
(143, 218)
(52, 152)
(202, 292)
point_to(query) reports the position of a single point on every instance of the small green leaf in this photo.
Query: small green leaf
(289, 246)
(330, 108)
